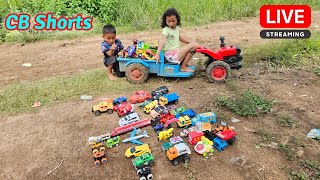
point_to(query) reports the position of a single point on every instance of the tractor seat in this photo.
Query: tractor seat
(171, 63)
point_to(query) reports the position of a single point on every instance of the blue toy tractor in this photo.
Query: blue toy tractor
(138, 70)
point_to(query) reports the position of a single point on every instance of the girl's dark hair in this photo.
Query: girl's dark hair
(170, 12)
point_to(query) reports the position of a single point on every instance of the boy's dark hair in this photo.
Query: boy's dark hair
(109, 29)
(170, 12)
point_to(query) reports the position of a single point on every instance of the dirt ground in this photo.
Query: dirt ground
(33, 145)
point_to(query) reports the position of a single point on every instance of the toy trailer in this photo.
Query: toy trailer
(138, 70)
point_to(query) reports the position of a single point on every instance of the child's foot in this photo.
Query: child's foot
(111, 77)
(186, 69)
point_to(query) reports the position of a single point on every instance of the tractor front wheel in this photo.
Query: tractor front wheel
(218, 71)
(137, 73)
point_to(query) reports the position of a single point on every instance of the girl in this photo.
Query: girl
(170, 41)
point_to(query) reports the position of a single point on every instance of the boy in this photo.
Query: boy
(111, 47)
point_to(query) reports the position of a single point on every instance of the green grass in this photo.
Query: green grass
(286, 121)
(309, 169)
(131, 16)
(288, 54)
(246, 103)
(19, 97)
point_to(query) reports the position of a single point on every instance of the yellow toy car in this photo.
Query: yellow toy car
(147, 109)
(137, 151)
(105, 106)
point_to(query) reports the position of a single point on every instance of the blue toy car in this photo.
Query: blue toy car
(138, 70)
(158, 127)
(204, 117)
(220, 144)
(188, 112)
(119, 100)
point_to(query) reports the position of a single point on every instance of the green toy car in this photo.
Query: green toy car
(113, 142)
(178, 110)
(145, 159)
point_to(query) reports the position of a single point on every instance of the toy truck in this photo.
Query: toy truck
(204, 117)
(184, 122)
(145, 159)
(168, 99)
(188, 112)
(113, 142)
(178, 152)
(138, 70)
(95, 147)
(99, 157)
(105, 106)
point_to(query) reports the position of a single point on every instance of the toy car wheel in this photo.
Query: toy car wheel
(110, 146)
(109, 111)
(186, 160)
(169, 126)
(150, 176)
(102, 149)
(104, 160)
(232, 140)
(94, 151)
(218, 71)
(97, 113)
(137, 73)
(97, 162)
(175, 162)
(204, 154)
(143, 178)
(176, 102)
(117, 145)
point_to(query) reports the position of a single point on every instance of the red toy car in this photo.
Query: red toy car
(166, 117)
(140, 96)
(123, 109)
(219, 64)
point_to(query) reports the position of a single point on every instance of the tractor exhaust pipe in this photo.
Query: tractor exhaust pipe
(222, 41)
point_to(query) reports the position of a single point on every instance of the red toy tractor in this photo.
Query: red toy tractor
(219, 64)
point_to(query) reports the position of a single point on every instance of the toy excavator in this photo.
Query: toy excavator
(164, 135)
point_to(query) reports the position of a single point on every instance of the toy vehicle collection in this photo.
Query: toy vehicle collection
(105, 106)
(197, 128)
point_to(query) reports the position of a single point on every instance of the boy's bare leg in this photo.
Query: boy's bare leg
(109, 73)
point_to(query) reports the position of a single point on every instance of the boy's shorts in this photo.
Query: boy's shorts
(107, 61)
(172, 56)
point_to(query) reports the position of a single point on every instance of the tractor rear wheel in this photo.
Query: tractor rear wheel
(137, 73)
(218, 71)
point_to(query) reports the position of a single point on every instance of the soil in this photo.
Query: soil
(34, 144)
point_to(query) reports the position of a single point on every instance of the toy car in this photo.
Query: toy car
(194, 137)
(168, 99)
(99, 157)
(204, 146)
(113, 142)
(128, 119)
(95, 147)
(123, 109)
(178, 110)
(140, 96)
(145, 173)
(158, 110)
(188, 112)
(227, 135)
(137, 151)
(219, 64)
(145, 159)
(105, 106)
(168, 122)
(138, 70)
(172, 141)
(119, 100)
(166, 117)
(158, 127)
(147, 109)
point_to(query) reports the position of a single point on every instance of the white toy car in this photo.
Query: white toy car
(128, 119)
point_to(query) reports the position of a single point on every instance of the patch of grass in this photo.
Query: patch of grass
(288, 151)
(246, 103)
(286, 121)
(266, 135)
(288, 53)
(296, 175)
(20, 97)
(317, 70)
(310, 169)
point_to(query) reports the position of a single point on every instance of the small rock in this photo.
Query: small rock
(295, 84)
(27, 64)
(249, 130)
(234, 120)
(300, 152)
(86, 97)
(36, 104)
